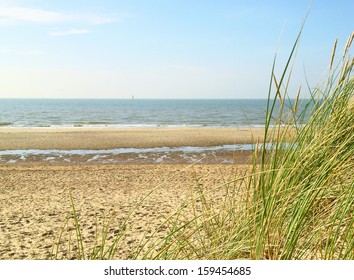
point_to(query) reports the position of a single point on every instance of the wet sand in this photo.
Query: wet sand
(110, 138)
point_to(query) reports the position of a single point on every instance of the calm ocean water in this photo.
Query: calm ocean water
(131, 113)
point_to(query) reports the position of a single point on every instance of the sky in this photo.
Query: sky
(163, 48)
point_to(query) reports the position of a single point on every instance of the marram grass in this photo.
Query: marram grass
(296, 201)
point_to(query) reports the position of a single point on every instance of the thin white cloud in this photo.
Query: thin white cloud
(70, 32)
(32, 15)
(13, 14)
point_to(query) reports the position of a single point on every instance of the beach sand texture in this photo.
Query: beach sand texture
(110, 138)
(35, 202)
(35, 196)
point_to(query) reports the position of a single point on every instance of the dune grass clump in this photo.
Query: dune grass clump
(296, 201)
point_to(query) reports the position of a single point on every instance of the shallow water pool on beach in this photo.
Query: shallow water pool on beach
(188, 154)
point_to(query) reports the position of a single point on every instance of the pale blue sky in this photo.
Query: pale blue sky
(162, 48)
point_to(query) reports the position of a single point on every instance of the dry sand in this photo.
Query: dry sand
(35, 201)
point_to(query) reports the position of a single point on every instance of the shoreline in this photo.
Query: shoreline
(159, 158)
(112, 138)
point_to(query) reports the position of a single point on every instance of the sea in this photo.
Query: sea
(133, 112)
(125, 113)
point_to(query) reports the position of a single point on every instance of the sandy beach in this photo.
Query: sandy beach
(108, 138)
(35, 202)
(35, 195)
